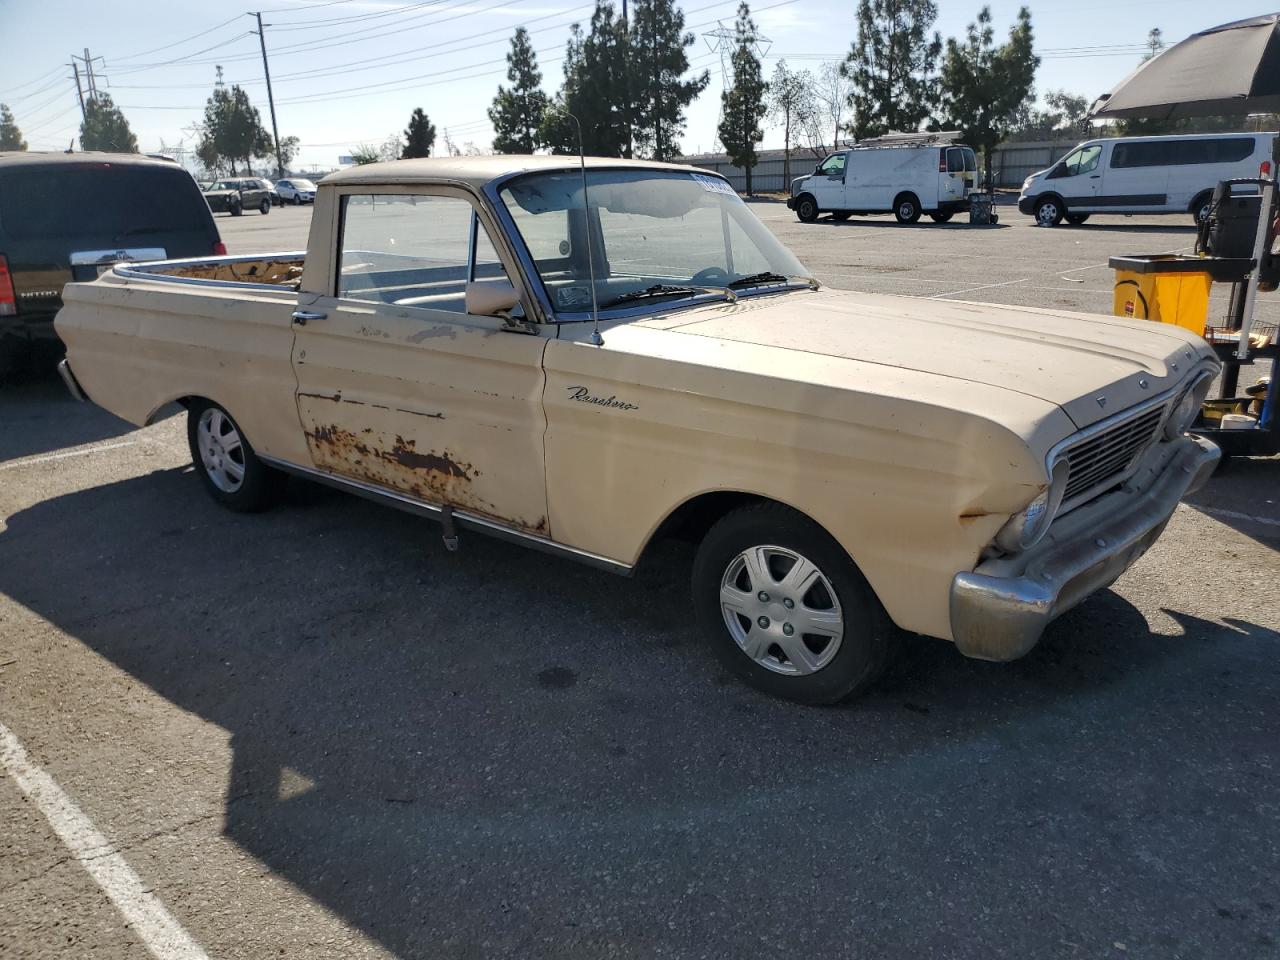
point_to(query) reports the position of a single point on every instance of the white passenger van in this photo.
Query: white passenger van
(904, 173)
(1173, 174)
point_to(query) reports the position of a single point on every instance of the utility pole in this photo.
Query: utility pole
(266, 70)
(75, 69)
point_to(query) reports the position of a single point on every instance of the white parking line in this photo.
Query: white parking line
(83, 451)
(1231, 514)
(146, 915)
(985, 286)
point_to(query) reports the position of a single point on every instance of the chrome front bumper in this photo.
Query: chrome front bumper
(999, 611)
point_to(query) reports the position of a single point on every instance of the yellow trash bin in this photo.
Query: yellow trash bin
(1167, 289)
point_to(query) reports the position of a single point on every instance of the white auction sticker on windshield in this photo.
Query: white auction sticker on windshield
(714, 185)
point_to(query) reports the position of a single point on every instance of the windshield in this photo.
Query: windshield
(302, 184)
(655, 235)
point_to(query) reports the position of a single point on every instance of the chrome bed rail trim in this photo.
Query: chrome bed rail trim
(431, 511)
(150, 271)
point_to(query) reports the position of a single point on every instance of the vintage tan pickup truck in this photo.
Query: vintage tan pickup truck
(478, 341)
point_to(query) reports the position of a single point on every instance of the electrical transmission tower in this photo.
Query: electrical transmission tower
(724, 41)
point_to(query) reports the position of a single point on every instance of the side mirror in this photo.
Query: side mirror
(817, 169)
(491, 298)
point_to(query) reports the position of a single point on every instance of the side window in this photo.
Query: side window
(411, 251)
(1088, 161)
(833, 166)
(955, 160)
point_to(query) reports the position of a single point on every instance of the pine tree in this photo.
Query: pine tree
(10, 135)
(105, 128)
(743, 105)
(983, 86)
(659, 95)
(420, 134)
(517, 112)
(891, 65)
(594, 90)
(232, 130)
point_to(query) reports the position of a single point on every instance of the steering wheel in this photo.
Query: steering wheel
(711, 277)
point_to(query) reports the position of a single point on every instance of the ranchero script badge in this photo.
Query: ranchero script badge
(583, 395)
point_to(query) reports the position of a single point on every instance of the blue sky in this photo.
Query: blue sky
(447, 57)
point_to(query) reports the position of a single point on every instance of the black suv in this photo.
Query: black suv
(69, 216)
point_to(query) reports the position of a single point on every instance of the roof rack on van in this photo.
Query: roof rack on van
(925, 139)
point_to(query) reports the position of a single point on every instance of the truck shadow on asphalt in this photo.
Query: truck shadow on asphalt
(40, 416)
(496, 753)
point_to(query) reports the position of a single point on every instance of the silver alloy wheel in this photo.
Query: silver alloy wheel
(1047, 213)
(221, 450)
(1203, 214)
(781, 610)
(906, 210)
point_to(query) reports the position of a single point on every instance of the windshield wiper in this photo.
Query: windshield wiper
(768, 276)
(667, 290)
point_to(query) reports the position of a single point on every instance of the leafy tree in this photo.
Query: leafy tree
(791, 103)
(557, 131)
(984, 86)
(891, 65)
(10, 135)
(1155, 42)
(105, 128)
(517, 113)
(658, 93)
(365, 154)
(832, 90)
(288, 151)
(743, 104)
(420, 134)
(232, 130)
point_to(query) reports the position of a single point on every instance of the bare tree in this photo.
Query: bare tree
(791, 103)
(831, 90)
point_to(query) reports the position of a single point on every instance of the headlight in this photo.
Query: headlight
(1024, 529)
(1184, 414)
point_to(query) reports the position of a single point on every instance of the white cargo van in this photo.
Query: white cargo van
(1173, 174)
(906, 174)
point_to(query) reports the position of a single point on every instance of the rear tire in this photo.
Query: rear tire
(236, 210)
(1200, 208)
(806, 209)
(1075, 219)
(940, 217)
(754, 614)
(906, 207)
(1050, 211)
(265, 207)
(226, 463)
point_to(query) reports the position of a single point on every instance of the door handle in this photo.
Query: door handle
(300, 317)
(1095, 176)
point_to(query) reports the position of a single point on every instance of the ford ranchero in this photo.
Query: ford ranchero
(481, 341)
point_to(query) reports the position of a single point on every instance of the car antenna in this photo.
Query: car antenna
(596, 339)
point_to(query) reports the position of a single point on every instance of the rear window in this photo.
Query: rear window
(107, 201)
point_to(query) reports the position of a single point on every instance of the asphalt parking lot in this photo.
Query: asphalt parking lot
(314, 733)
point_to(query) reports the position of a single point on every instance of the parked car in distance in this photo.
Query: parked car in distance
(236, 195)
(273, 194)
(296, 190)
(906, 174)
(472, 339)
(1171, 174)
(68, 216)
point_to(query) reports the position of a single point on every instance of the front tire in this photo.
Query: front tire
(265, 207)
(1049, 212)
(297, 200)
(236, 210)
(907, 208)
(785, 608)
(807, 209)
(226, 463)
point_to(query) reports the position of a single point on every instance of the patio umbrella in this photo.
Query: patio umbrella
(1228, 70)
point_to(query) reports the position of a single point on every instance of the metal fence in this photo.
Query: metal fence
(1011, 163)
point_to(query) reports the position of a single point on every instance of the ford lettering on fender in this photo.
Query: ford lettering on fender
(475, 340)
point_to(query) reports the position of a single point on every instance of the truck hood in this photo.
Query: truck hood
(1091, 366)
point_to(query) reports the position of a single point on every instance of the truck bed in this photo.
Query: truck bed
(277, 270)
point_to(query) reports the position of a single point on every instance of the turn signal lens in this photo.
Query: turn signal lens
(8, 300)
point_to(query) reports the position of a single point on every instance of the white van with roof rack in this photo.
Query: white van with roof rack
(906, 174)
(1171, 174)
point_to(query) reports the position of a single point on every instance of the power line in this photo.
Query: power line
(30, 83)
(175, 43)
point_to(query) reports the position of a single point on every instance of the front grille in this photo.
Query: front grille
(1100, 461)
